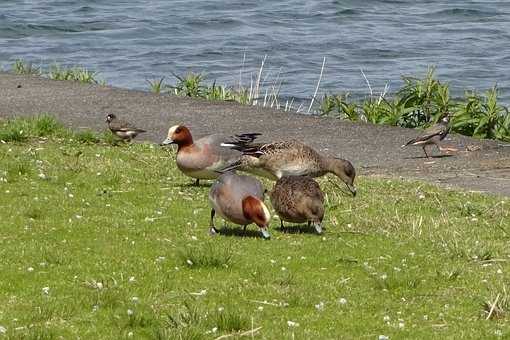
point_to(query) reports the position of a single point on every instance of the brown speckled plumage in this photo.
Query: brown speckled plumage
(298, 199)
(292, 158)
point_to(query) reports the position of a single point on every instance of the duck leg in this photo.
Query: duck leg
(282, 227)
(197, 182)
(212, 229)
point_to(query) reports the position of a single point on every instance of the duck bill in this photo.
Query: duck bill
(352, 189)
(318, 228)
(167, 141)
(265, 233)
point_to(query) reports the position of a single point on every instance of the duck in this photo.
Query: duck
(240, 200)
(290, 158)
(298, 199)
(205, 157)
(122, 129)
(433, 136)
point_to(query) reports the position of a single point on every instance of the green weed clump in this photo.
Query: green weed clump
(422, 102)
(22, 67)
(79, 74)
(19, 130)
(57, 72)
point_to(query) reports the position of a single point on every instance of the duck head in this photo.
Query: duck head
(344, 170)
(178, 134)
(256, 211)
(110, 117)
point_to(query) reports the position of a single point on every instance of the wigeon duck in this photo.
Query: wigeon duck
(122, 129)
(298, 199)
(205, 157)
(433, 135)
(240, 200)
(291, 158)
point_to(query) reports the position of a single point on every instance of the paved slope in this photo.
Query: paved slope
(373, 149)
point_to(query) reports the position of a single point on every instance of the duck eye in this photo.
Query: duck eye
(178, 130)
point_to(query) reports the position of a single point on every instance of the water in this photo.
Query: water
(130, 42)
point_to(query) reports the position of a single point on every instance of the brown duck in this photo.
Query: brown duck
(298, 199)
(291, 158)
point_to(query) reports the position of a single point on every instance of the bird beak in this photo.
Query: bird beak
(265, 233)
(167, 141)
(352, 189)
(318, 228)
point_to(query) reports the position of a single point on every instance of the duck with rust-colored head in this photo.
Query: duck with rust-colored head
(240, 200)
(205, 157)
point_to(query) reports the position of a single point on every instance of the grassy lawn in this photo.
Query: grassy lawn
(99, 241)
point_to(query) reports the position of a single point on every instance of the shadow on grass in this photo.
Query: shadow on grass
(239, 232)
(298, 229)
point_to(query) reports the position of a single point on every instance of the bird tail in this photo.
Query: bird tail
(412, 141)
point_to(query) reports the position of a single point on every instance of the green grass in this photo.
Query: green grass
(106, 242)
(58, 72)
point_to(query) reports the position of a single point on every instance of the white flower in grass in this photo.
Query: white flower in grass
(30, 269)
(342, 301)
(386, 318)
(188, 261)
(260, 308)
(292, 324)
(131, 279)
(499, 271)
(384, 337)
(273, 261)
(384, 276)
(46, 290)
(320, 306)
(42, 176)
(221, 309)
(498, 332)
(130, 312)
(3, 330)
(135, 299)
(284, 269)
(401, 325)
(130, 334)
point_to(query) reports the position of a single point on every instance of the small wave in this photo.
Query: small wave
(348, 11)
(463, 12)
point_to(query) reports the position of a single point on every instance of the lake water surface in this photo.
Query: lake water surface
(131, 41)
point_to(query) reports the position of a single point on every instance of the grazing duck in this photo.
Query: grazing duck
(205, 157)
(433, 135)
(298, 199)
(291, 158)
(122, 129)
(240, 200)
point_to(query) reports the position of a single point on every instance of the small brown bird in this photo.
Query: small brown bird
(122, 129)
(432, 135)
(291, 158)
(239, 199)
(298, 199)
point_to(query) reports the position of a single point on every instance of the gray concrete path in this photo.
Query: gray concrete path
(373, 149)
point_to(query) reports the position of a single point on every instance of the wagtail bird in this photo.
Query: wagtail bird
(433, 136)
(122, 129)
